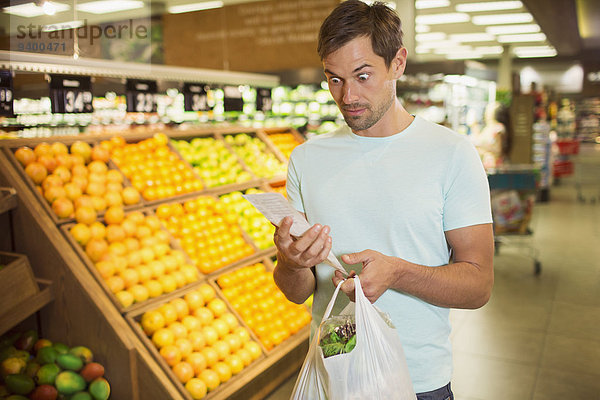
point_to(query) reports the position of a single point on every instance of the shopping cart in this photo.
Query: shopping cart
(587, 173)
(513, 193)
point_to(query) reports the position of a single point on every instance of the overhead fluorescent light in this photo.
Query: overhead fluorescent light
(205, 5)
(423, 4)
(489, 6)
(62, 26)
(469, 55)
(446, 18)
(454, 49)
(472, 37)
(526, 37)
(428, 37)
(422, 50)
(30, 10)
(422, 28)
(489, 49)
(498, 19)
(534, 51)
(438, 43)
(512, 29)
(109, 6)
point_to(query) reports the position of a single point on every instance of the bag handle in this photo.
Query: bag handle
(332, 301)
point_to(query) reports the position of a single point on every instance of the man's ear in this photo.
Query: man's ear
(399, 62)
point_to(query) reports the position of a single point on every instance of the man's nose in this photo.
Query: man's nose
(350, 93)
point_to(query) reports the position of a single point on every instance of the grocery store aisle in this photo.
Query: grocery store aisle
(538, 337)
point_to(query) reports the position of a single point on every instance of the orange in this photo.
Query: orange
(154, 288)
(194, 300)
(171, 354)
(168, 283)
(152, 321)
(115, 284)
(197, 361)
(191, 323)
(204, 315)
(185, 346)
(223, 370)
(125, 298)
(114, 215)
(218, 307)
(221, 327)
(106, 268)
(130, 277)
(208, 293)
(197, 340)
(196, 388)
(210, 335)
(253, 348)
(210, 378)
(245, 356)
(144, 273)
(183, 371)
(222, 349)
(181, 307)
(178, 329)
(140, 293)
(210, 355)
(163, 337)
(235, 363)
(169, 312)
(234, 342)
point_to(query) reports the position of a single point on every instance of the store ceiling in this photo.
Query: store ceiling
(570, 27)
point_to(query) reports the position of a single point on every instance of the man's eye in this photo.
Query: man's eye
(334, 81)
(363, 77)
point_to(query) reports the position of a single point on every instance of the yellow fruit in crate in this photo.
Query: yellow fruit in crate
(168, 283)
(197, 361)
(185, 346)
(231, 320)
(196, 388)
(234, 342)
(245, 356)
(210, 355)
(125, 298)
(204, 315)
(169, 312)
(154, 288)
(106, 268)
(130, 196)
(152, 321)
(115, 284)
(235, 363)
(191, 275)
(222, 349)
(210, 378)
(194, 300)
(208, 293)
(221, 327)
(140, 293)
(191, 323)
(114, 215)
(183, 371)
(253, 348)
(223, 370)
(144, 273)
(178, 329)
(130, 277)
(217, 306)
(96, 248)
(163, 337)
(197, 340)
(171, 354)
(81, 233)
(98, 230)
(210, 335)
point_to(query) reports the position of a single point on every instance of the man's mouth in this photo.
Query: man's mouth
(354, 111)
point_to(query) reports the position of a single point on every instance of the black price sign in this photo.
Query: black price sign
(6, 94)
(141, 96)
(264, 102)
(232, 100)
(195, 97)
(71, 94)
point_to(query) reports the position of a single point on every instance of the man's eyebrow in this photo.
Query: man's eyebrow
(365, 65)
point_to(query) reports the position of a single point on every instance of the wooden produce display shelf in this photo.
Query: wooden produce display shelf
(28, 305)
(8, 199)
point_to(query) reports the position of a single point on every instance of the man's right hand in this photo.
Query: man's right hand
(306, 251)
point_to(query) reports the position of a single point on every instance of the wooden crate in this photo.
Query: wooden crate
(265, 135)
(222, 392)
(17, 281)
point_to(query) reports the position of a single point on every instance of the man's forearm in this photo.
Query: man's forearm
(456, 285)
(296, 283)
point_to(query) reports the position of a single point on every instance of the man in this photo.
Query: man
(401, 196)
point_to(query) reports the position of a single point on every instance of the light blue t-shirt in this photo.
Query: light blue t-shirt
(396, 195)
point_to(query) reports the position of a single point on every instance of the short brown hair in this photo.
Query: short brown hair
(352, 19)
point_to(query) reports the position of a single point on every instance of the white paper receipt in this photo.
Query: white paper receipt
(275, 207)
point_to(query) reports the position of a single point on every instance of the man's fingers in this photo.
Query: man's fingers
(348, 288)
(312, 241)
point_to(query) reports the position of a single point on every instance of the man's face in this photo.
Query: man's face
(360, 83)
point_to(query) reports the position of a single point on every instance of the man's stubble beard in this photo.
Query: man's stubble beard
(364, 122)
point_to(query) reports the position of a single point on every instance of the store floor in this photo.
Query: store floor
(538, 337)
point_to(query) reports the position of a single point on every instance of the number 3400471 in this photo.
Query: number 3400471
(42, 47)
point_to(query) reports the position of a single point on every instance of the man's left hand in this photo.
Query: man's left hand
(379, 272)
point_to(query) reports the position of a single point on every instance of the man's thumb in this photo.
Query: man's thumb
(354, 258)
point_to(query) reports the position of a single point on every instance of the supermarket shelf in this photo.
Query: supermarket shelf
(8, 199)
(12, 317)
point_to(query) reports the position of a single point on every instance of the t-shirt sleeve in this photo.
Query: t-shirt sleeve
(293, 182)
(467, 191)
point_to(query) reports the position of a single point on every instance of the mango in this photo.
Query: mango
(83, 352)
(7, 352)
(41, 343)
(69, 382)
(32, 368)
(92, 371)
(60, 348)
(44, 392)
(81, 396)
(99, 389)
(12, 365)
(69, 361)
(47, 374)
(16, 397)
(19, 383)
(46, 355)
